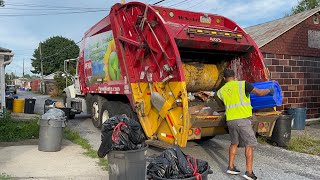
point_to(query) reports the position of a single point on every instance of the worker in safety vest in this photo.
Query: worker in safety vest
(235, 96)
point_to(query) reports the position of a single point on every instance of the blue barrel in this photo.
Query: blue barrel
(260, 102)
(299, 117)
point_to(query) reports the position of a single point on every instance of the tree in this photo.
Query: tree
(1, 3)
(304, 5)
(28, 76)
(54, 51)
(10, 77)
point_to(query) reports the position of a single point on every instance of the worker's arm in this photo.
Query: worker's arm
(218, 100)
(261, 92)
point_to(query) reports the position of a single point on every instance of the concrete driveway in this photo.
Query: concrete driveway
(26, 162)
(22, 160)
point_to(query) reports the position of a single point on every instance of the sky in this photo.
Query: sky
(22, 33)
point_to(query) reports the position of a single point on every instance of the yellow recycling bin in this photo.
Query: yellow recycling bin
(18, 105)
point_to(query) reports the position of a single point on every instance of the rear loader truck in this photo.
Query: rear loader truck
(162, 66)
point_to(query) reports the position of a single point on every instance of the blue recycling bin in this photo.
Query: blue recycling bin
(268, 101)
(299, 115)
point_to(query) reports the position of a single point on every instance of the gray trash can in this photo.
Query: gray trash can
(51, 130)
(127, 165)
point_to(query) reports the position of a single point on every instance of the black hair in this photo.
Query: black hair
(228, 73)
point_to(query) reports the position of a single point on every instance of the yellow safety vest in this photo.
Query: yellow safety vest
(237, 103)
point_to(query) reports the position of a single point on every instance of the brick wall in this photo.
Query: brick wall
(296, 67)
(299, 78)
(295, 41)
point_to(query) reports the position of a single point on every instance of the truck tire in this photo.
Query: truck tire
(123, 108)
(101, 110)
(107, 110)
(96, 112)
(72, 116)
(64, 99)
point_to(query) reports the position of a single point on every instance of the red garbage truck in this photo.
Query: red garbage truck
(162, 67)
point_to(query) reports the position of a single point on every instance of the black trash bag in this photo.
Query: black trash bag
(136, 135)
(202, 166)
(159, 167)
(49, 102)
(174, 164)
(106, 144)
(120, 133)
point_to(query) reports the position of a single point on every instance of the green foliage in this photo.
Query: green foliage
(10, 77)
(4, 176)
(60, 81)
(304, 5)
(305, 144)
(54, 51)
(13, 130)
(28, 76)
(77, 139)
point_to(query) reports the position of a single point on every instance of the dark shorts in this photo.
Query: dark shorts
(241, 132)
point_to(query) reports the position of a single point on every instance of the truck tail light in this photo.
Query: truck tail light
(261, 125)
(197, 131)
(164, 13)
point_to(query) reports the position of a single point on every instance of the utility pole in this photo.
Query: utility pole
(23, 69)
(41, 66)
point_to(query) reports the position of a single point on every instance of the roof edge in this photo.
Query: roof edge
(291, 27)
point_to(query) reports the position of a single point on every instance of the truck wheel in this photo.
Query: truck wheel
(96, 110)
(123, 108)
(108, 110)
(71, 116)
(64, 99)
(101, 110)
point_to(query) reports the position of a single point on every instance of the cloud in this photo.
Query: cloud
(22, 34)
(248, 12)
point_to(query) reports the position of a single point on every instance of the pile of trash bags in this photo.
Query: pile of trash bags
(174, 164)
(121, 133)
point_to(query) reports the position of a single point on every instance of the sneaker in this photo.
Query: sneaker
(250, 177)
(233, 171)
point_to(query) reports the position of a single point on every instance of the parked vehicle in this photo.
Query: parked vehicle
(11, 89)
(162, 66)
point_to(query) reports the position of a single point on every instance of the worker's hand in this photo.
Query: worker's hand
(271, 91)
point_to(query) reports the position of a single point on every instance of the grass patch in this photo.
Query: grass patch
(14, 130)
(305, 144)
(262, 140)
(4, 176)
(77, 139)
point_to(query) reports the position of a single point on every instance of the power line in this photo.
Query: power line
(48, 14)
(47, 6)
(166, 2)
(196, 4)
(50, 9)
(180, 3)
(158, 2)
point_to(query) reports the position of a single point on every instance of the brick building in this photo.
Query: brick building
(291, 47)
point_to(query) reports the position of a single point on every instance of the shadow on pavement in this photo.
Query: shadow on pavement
(212, 148)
